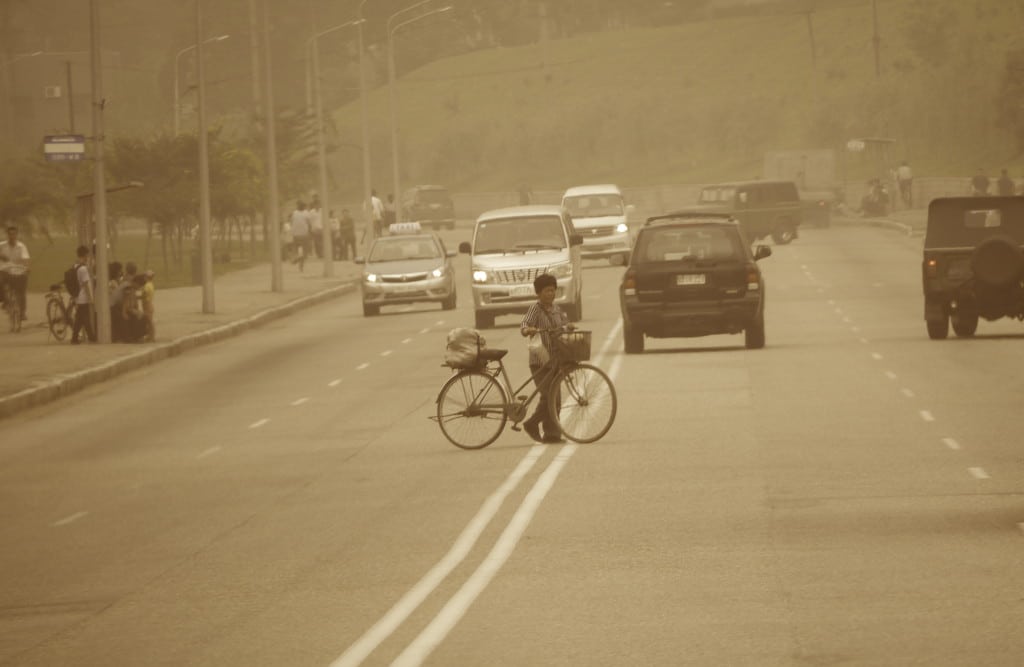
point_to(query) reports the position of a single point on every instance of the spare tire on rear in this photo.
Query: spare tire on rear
(997, 261)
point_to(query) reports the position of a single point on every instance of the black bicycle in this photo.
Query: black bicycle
(11, 303)
(474, 405)
(59, 315)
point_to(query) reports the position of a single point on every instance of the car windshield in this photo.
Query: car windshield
(428, 197)
(712, 195)
(673, 244)
(540, 232)
(397, 249)
(593, 206)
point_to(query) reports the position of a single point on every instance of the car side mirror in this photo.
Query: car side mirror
(575, 239)
(359, 260)
(452, 253)
(762, 251)
(465, 248)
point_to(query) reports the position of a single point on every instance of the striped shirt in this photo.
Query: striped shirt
(539, 318)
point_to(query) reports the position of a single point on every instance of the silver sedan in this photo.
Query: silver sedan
(409, 268)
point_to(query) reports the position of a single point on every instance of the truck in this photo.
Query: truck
(814, 172)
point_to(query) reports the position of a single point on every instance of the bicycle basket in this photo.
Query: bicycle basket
(573, 346)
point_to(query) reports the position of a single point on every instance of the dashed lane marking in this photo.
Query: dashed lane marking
(951, 443)
(300, 401)
(209, 452)
(978, 473)
(406, 341)
(362, 367)
(334, 383)
(927, 416)
(876, 356)
(907, 392)
(890, 375)
(69, 519)
(385, 353)
(423, 331)
(259, 423)
(864, 341)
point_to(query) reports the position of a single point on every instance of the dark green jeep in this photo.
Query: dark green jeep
(973, 263)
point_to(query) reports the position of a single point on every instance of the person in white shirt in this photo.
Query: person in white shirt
(300, 232)
(84, 299)
(905, 179)
(316, 227)
(14, 265)
(376, 213)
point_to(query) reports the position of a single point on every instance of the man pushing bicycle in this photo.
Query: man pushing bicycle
(543, 317)
(14, 266)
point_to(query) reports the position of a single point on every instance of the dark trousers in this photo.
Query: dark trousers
(19, 285)
(83, 320)
(542, 378)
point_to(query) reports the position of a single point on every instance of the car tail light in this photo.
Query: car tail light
(629, 283)
(753, 278)
(931, 268)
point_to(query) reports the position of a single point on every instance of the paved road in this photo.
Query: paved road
(851, 494)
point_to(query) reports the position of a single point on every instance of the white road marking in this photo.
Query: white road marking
(951, 443)
(865, 341)
(846, 320)
(259, 423)
(385, 353)
(209, 452)
(421, 647)
(362, 367)
(876, 356)
(382, 629)
(855, 329)
(68, 519)
(890, 375)
(831, 302)
(439, 323)
(423, 331)
(927, 416)
(300, 401)
(907, 392)
(334, 383)
(821, 290)
(406, 341)
(978, 473)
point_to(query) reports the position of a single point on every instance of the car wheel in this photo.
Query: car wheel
(369, 309)
(965, 324)
(449, 303)
(753, 335)
(633, 340)
(938, 329)
(783, 233)
(617, 260)
(484, 320)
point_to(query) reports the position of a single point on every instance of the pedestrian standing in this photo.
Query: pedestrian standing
(149, 306)
(85, 298)
(1006, 186)
(347, 232)
(14, 266)
(316, 227)
(376, 213)
(905, 181)
(390, 213)
(300, 232)
(979, 183)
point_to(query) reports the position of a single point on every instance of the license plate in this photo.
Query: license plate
(522, 290)
(691, 279)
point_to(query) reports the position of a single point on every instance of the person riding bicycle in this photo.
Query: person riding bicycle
(14, 266)
(542, 315)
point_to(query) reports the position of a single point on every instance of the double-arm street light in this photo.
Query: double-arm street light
(367, 207)
(392, 94)
(177, 85)
(313, 48)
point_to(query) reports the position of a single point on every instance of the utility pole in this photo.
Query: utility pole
(876, 40)
(810, 33)
(99, 195)
(205, 246)
(273, 224)
(321, 150)
(71, 100)
(254, 55)
(367, 208)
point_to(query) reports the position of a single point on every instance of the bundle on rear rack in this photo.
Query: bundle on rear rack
(463, 348)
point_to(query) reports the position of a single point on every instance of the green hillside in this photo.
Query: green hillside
(704, 101)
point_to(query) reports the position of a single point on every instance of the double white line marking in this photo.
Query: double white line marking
(453, 611)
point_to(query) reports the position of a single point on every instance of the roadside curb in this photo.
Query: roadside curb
(885, 223)
(73, 382)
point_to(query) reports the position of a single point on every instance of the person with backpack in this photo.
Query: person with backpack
(78, 282)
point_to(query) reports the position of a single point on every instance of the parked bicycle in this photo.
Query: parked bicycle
(60, 315)
(476, 403)
(11, 304)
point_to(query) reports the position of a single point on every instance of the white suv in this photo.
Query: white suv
(511, 247)
(601, 217)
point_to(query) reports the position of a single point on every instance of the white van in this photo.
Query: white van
(511, 247)
(601, 217)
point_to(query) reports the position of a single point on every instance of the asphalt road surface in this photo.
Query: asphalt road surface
(851, 494)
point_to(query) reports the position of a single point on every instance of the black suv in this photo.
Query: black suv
(764, 208)
(973, 263)
(429, 205)
(692, 274)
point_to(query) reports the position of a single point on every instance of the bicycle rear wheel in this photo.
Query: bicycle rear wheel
(57, 318)
(471, 410)
(583, 402)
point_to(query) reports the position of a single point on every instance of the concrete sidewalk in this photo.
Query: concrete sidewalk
(37, 368)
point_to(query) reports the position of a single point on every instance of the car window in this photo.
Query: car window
(398, 249)
(673, 244)
(523, 233)
(592, 206)
(717, 194)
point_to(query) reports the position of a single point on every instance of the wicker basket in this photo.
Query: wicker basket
(573, 346)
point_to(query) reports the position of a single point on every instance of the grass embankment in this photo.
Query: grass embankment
(51, 259)
(704, 101)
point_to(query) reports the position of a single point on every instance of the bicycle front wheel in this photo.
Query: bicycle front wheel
(13, 309)
(471, 410)
(57, 318)
(583, 402)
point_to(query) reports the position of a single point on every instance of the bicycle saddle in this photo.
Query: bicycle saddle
(491, 354)
(56, 286)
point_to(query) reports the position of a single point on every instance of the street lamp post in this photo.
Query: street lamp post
(270, 159)
(392, 94)
(367, 208)
(205, 245)
(177, 57)
(99, 199)
(313, 47)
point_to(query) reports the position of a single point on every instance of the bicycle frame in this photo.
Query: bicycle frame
(515, 407)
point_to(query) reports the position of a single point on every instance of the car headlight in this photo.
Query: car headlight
(438, 272)
(370, 277)
(479, 276)
(622, 228)
(561, 270)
